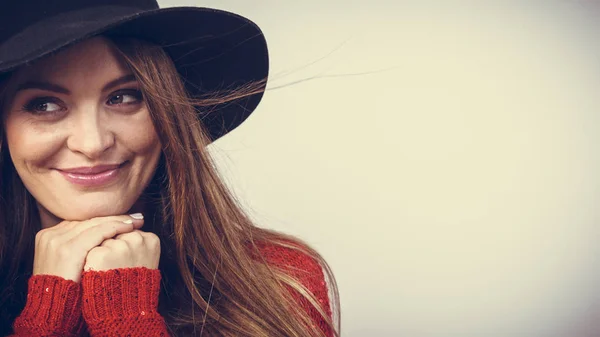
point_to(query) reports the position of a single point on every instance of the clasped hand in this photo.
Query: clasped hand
(102, 243)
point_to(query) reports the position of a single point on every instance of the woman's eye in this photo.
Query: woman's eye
(41, 105)
(128, 97)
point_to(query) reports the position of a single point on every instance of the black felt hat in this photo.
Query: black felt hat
(212, 49)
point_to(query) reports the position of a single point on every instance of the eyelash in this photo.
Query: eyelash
(31, 106)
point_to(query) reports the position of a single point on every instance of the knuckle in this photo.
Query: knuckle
(55, 244)
(63, 252)
(104, 251)
(120, 246)
(107, 243)
(98, 252)
(135, 238)
(40, 236)
(153, 238)
(117, 244)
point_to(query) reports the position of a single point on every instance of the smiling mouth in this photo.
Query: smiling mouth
(92, 176)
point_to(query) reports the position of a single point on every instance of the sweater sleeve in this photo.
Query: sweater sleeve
(310, 274)
(123, 302)
(53, 308)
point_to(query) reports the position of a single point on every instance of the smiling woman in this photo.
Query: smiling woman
(113, 219)
(79, 134)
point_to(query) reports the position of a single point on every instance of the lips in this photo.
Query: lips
(87, 170)
(98, 175)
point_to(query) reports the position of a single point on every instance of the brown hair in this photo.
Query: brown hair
(215, 280)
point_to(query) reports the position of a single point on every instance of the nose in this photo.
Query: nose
(90, 135)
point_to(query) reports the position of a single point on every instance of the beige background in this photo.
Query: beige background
(454, 188)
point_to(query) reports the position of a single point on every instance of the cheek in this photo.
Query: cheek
(31, 144)
(140, 136)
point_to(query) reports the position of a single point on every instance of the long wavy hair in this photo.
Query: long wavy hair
(215, 280)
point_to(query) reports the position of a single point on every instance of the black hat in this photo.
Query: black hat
(212, 49)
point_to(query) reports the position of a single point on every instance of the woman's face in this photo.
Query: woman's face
(80, 135)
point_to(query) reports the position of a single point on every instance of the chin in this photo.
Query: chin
(86, 211)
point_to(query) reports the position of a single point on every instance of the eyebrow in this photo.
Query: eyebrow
(42, 85)
(121, 80)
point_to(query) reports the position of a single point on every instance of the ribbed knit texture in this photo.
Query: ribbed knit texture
(53, 308)
(124, 302)
(309, 273)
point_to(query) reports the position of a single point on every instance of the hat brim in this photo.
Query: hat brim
(212, 49)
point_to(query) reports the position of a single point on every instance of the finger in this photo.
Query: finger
(98, 220)
(108, 243)
(148, 236)
(151, 240)
(97, 250)
(94, 236)
(92, 221)
(133, 238)
(76, 228)
(115, 245)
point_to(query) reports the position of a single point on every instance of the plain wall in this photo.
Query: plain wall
(443, 159)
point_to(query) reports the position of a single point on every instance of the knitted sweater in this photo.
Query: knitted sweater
(124, 302)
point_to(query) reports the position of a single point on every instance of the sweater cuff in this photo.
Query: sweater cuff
(120, 293)
(53, 305)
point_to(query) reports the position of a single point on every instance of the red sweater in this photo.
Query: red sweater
(124, 302)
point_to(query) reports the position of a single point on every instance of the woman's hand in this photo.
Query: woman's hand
(61, 250)
(133, 249)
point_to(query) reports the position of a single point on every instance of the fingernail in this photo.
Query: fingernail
(128, 221)
(138, 216)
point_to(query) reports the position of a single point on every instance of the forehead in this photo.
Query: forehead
(95, 58)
